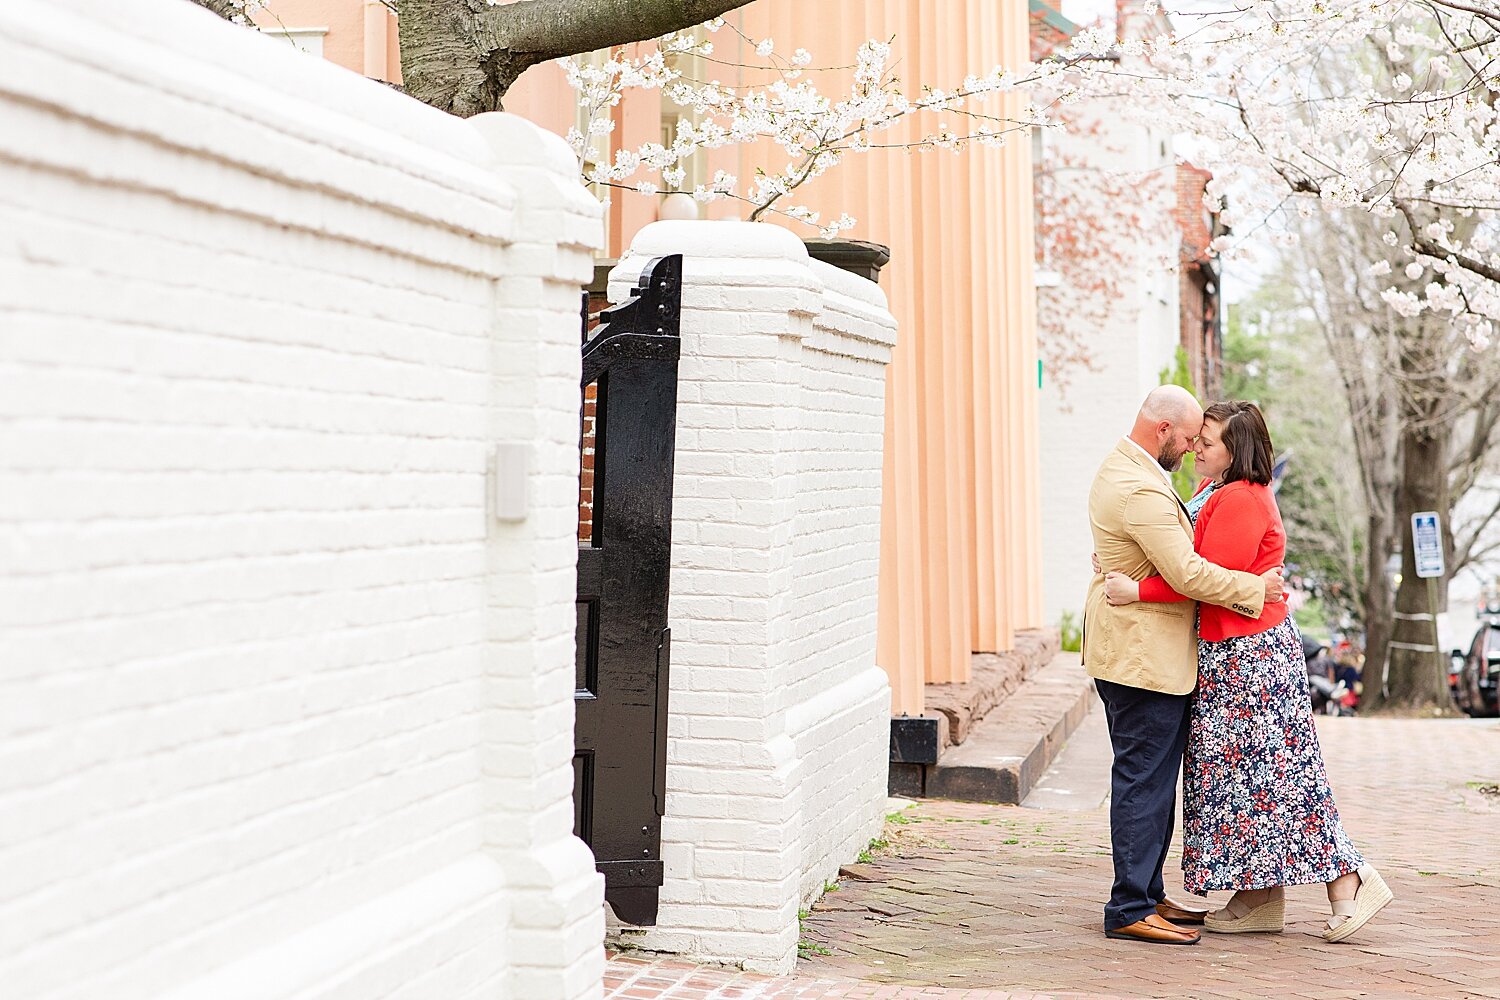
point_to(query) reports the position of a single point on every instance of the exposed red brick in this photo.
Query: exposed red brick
(1198, 281)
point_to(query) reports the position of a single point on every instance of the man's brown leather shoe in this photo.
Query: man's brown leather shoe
(1154, 930)
(1181, 913)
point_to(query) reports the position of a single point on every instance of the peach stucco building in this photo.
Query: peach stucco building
(960, 554)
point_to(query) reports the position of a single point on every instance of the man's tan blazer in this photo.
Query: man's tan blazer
(1142, 529)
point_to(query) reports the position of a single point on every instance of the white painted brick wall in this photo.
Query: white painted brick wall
(283, 711)
(779, 727)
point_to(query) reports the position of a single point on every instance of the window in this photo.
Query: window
(309, 40)
(692, 68)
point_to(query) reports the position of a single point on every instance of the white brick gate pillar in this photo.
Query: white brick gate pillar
(778, 732)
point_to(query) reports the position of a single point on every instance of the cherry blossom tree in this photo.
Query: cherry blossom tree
(813, 131)
(1424, 408)
(462, 56)
(1387, 106)
(1300, 107)
(1385, 110)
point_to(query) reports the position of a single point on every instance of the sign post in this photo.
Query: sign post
(1427, 548)
(1427, 544)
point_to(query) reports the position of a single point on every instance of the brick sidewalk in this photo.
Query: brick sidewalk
(628, 978)
(983, 902)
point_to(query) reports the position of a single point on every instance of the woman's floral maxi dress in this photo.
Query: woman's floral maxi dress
(1257, 810)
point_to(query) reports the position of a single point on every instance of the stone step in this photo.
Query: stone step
(1008, 752)
(993, 678)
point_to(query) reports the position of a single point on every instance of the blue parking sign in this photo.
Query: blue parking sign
(1427, 543)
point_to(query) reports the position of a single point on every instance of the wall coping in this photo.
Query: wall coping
(850, 314)
(718, 240)
(854, 308)
(349, 142)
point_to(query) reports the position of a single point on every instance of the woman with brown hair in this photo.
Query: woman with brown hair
(1258, 814)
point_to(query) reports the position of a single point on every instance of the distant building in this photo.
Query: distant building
(1199, 293)
(1049, 29)
(1131, 332)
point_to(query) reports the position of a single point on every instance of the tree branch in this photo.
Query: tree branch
(534, 31)
(1431, 248)
(461, 56)
(1465, 470)
(227, 9)
(1490, 14)
(1470, 549)
(1480, 556)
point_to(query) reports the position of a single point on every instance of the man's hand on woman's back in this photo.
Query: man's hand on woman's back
(1275, 589)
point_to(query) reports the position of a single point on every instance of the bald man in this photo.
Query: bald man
(1144, 657)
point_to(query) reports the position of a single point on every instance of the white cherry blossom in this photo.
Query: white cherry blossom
(815, 130)
(1386, 106)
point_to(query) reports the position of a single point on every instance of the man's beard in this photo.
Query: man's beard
(1168, 461)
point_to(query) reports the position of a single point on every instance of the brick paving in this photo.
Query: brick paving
(631, 978)
(982, 902)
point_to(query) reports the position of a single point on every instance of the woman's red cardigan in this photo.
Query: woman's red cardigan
(1239, 527)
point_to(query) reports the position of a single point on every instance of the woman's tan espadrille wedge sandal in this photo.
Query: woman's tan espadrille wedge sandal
(1267, 918)
(1349, 915)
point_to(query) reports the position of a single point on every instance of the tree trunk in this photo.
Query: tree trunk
(461, 56)
(1378, 603)
(1374, 410)
(1416, 676)
(447, 58)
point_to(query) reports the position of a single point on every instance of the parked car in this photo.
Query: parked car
(1477, 690)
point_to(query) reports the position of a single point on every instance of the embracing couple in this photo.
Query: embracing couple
(1217, 688)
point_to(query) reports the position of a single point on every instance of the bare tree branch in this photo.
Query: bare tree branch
(1469, 461)
(1464, 552)
(1481, 555)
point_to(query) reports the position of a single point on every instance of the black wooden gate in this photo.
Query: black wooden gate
(624, 555)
